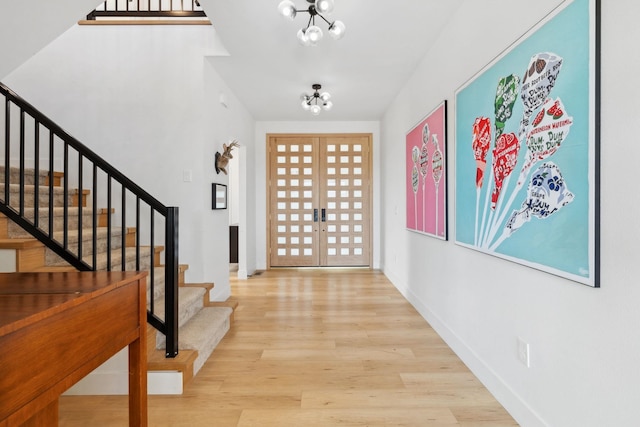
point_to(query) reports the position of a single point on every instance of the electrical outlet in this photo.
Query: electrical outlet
(524, 352)
(187, 176)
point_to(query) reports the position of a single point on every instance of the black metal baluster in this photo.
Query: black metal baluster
(138, 237)
(65, 221)
(22, 177)
(152, 243)
(36, 174)
(51, 178)
(94, 225)
(171, 281)
(124, 228)
(7, 149)
(152, 276)
(80, 203)
(151, 301)
(108, 222)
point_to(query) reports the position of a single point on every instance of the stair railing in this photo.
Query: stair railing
(36, 150)
(148, 9)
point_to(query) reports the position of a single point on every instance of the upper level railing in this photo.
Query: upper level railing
(35, 150)
(148, 9)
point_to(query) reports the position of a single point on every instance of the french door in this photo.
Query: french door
(319, 197)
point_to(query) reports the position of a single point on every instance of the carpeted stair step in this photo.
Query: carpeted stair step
(158, 280)
(87, 242)
(116, 259)
(43, 195)
(204, 331)
(14, 230)
(190, 302)
(29, 174)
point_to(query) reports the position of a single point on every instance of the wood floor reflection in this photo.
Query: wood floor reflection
(312, 347)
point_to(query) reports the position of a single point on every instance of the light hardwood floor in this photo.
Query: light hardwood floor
(314, 347)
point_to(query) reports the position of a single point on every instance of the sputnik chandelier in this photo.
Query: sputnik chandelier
(312, 34)
(317, 101)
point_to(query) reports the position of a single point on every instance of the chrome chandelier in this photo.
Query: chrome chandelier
(317, 101)
(312, 34)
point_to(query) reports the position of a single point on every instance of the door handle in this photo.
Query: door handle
(315, 215)
(324, 215)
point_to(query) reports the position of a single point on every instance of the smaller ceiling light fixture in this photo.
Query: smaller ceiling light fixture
(317, 101)
(312, 34)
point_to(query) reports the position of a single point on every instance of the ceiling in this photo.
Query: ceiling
(268, 69)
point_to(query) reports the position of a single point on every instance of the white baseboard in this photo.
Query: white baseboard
(7, 260)
(112, 378)
(511, 401)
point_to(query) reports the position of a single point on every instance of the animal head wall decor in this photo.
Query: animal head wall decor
(223, 159)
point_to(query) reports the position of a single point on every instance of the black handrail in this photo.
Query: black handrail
(77, 153)
(148, 9)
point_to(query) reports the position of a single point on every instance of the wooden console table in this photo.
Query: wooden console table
(55, 328)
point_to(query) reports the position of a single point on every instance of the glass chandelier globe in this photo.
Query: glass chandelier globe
(314, 33)
(287, 9)
(336, 29)
(324, 6)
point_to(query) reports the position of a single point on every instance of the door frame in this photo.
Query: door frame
(368, 135)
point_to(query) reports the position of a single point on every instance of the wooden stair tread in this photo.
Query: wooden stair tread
(144, 22)
(18, 244)
(183, 362)
(57, 178)
(207, 286)
(232, 303)
(156, 360)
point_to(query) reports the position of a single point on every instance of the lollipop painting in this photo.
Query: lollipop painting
(426, 175)
(436, 170)
(547, 194)
(526, 132)
(415, 181)
(424, 164)
(481, 141)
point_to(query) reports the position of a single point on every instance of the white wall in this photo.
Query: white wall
(585, 344)
(264, 128)
(19, 41)
(146, 98)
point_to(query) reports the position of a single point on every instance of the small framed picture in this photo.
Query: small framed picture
(218, 196)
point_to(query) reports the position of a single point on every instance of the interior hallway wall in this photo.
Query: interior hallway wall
(28, 26)
(584, 342)
(146, 99)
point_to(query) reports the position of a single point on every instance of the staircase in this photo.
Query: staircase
(202, 324)
(80, 219)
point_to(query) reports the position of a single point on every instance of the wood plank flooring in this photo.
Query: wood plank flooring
(312, 347)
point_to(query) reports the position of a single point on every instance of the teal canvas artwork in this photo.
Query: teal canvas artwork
(527, 149)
